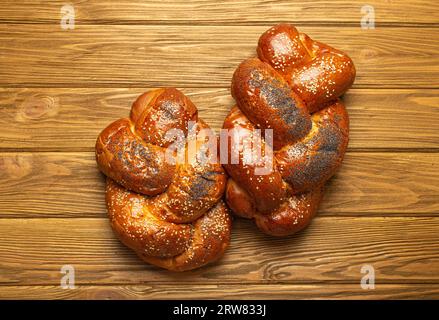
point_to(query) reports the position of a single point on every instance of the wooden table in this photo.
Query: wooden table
(59, 88)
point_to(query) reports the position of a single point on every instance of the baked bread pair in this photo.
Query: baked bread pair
(165, 182)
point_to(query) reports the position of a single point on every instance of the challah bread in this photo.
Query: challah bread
(292, 88)
(169, 212)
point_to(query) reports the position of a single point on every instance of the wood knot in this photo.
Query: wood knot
(106, 294)
(36, 107)
(15, 166)
(368, 54)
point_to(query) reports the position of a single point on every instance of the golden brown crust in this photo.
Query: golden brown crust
(267, 190)
(210, 238)
(308, 163)
(317, 72)
(266, 99)
(294, 213)
(156, 112)
(168, 212)
(293, 216)
(131, 216)
(292, 88)
(139, 166)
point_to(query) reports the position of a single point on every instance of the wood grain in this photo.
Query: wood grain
(401, 250)
(67, 119)
(250, 291)
(221, 12)
(70, 185)
(59, 88)
(197, 56)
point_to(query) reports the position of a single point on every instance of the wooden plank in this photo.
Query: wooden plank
(381, 209)
(221, 12)
(66, 119)
(69, 184)
(196, 56)
(400, 249)
(260, 291)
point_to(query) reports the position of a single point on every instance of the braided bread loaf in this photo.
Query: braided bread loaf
(292, 88)
(170, 213)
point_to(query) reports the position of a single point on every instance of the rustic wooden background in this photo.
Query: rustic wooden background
(59, 88)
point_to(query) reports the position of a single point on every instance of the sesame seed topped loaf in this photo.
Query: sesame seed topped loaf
(169, 212)
(293, 88)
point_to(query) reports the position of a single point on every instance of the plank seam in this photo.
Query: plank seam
(237, 283)
(298, 23)
(322, 215)
(137, 85)
(90, 150)
(227, 88)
